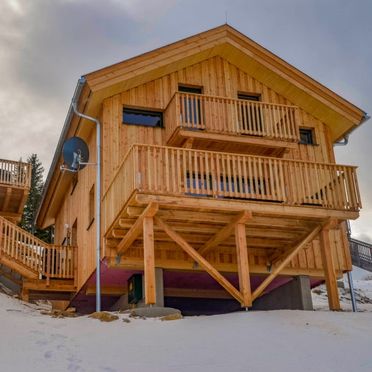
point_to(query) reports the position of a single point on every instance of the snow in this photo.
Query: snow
(245, 341)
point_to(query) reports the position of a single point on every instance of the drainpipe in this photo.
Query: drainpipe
(352, 293)
(345, 141)
(98, 198)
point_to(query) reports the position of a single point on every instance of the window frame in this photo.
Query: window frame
(144, 111)
(309, 132)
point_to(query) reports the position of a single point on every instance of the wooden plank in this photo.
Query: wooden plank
(329, 270)
(243, 264)
(136, 229)
(149, 260)
(200, 260)
(179, 202)
(289, 256)
(225, 232)
(197, 293)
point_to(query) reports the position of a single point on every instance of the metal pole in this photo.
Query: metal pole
(351, 288)
(98, 201)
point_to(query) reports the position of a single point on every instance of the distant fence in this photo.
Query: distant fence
(361, 254)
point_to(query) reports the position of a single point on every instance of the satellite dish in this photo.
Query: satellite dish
(75, 154)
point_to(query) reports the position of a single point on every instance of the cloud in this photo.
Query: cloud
(45, 46)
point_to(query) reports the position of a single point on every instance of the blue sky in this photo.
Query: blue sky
(45, 46)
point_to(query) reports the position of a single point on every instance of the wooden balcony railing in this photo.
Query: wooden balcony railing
(15, 173)
(196, 173)
(230, 116)
(49, 261)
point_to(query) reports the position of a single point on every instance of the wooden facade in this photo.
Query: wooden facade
(225, 184)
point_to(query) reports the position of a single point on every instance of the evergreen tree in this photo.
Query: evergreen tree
(33, 201)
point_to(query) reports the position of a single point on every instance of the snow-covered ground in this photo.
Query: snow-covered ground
(288, 341)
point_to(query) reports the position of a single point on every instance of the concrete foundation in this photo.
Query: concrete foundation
(295, 295)
(122, 303)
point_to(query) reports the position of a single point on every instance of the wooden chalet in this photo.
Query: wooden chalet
(219, 178)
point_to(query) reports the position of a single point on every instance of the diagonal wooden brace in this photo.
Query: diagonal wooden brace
(287, 257)
(223, 234)
(136, 229)
(199, 259)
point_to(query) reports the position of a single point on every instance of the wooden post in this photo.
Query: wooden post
(329, 270)
(243, 264)
(149, 260)
(75, 265)
(1, 235)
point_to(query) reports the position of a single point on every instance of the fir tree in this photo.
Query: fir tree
(33, 201)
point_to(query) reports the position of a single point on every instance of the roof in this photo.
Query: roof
(338, 114)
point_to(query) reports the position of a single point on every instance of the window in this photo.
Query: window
(146, 118)
(74, 182)
(91, 211)
(190, 89)
(307, 136)
(191, 106)
(250, 115)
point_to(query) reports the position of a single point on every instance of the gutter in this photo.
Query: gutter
(345, 140)
(79, 88)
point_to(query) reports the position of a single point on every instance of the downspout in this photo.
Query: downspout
(345, 140)
(98, 197)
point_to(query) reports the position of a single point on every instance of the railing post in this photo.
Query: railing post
(1, 235)
(75, 265)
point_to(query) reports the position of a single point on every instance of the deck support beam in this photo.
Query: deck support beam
(287, 257)
(243, 264)
(223, 234)
(149, 260)
(136, 229)
(200, 260)
(329, 269)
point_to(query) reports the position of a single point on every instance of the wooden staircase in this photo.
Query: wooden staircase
(43, 267)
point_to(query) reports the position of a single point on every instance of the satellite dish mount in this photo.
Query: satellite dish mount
(75, 155)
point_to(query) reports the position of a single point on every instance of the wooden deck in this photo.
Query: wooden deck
(232, 125)
(15, 180)
(49, 268)
(254, 183)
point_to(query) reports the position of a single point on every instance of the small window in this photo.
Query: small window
(307, 136)
(91, 206)
(190, 89)
(142, 117)
(249, 97)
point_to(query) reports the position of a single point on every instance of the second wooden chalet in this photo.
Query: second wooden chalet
(220, 188)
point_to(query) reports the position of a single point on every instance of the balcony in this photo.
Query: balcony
(233, 125)
(262, 184)
(15, 180)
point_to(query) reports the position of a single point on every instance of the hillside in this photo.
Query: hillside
(246, 341)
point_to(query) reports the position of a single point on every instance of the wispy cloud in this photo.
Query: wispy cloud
(46, 45)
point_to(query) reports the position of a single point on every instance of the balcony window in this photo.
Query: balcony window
(191, 106)
(307, 136)
(202, 185)
(250, 116)
(146, 118)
